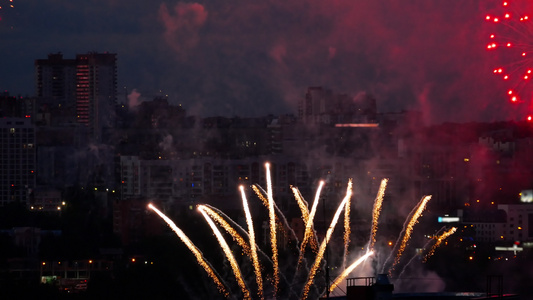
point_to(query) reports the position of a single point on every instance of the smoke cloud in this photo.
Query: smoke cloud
(181, 27)
(134, 100)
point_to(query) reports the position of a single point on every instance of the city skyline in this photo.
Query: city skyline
(252, 59)
(404, 99)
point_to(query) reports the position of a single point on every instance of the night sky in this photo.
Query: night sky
(252, 58)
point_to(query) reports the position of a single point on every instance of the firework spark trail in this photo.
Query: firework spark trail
(197, 253)
(349, 270)
(376, 211)
(410, 227)
(260, 194)
(217, 217)
(440, 239)
(255, 259)
(397, 243)
(416, 254)
(273, 237)
(227, 251)
(347, 230)
(325, 242)
(405, 235)
(303, 205)
(279, 214)
(308, 233)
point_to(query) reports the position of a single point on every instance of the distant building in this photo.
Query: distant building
(16, 107)
(17, 160)
(81, 90)
(158, 113)
(206, 180)
(131, 221)
(487, 226)
(46, 200)
(130, 172)
(519, 225)
(322, 106)
(56, 88)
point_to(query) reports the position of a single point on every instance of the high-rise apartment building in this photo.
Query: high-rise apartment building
(56, 89)
(16, 106)
(81, 90)
(17, 159)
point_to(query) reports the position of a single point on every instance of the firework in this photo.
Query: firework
(197, 253)
(347, 231)
(405, 235)
(6, 4)
(216, 215)
(279, 214)
(376, 211)
(303, 205)
(348, 270)
(426, 245)
(255, 259)
(410, 226)
(260, 194)
(273, 237)
(325, 242)
(511, 42)
(227, 251)
(246, 240)
(308, 233)
(439, 241)
(231, 227)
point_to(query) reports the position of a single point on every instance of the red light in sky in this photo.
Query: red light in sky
(510, 40)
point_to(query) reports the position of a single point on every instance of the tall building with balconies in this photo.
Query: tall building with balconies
(81, 90)
(96, 91)
(17, 160)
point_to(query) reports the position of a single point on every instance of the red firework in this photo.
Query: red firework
(511, 40)
(6, 4)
